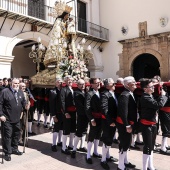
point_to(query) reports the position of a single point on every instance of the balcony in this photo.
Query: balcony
(36, 13)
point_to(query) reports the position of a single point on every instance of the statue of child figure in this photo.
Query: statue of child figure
(71, 26)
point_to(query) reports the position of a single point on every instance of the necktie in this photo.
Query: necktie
(115, 99)
(113, 94)
(16, 96)
(132, 96)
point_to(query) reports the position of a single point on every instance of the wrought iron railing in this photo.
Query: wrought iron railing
(37, 9)
(18, 6)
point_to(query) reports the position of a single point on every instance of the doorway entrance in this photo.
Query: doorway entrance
(22, 65)
(145, 66)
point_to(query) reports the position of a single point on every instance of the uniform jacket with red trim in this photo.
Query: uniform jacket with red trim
(79, 98)
(108, 107)
(149, 106)
(67, 99)
(127, 108)
(92, 104)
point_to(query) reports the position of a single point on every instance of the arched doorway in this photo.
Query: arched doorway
(22, 65)
(145, 65)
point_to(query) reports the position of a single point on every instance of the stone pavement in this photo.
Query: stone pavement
(39, 156)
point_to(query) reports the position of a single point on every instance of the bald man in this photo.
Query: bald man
(12, 101)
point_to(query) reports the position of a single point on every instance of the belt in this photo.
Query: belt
(147, 122)
(46, 99)
(165, 109)
(97, 114)
(104, 117)
(71, 109)
(119, 120)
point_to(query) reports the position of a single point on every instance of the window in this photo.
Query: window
(81, 14)
(36, 8)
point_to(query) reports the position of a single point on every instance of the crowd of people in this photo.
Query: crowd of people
(96, 104)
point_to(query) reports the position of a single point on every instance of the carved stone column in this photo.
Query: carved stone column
(163, 46)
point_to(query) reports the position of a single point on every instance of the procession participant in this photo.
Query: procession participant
(93, 111)
(55, 110)
(5, 83)
(156, 80)
(136, 135)
(119, 80)
(40, 104)
(46, 106)
(164, 115)
(9, 82)
(31, 109)
(23, 120)
(69, 114)
(82, 120)
(109, 113)
(1, 85)
(12, 101)
(149, 107)
(127, 117)
(21, 80)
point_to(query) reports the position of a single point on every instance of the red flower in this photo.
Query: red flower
(70, 57)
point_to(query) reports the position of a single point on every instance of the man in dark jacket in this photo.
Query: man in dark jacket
(93, 111)
(1, 85)
(164, 115)
(55, 110)
(31, 110)
(127, 117)
(12, 101)
(109, 113)
(5, 83)
(82, 120)
(69, 114)
(149, 107)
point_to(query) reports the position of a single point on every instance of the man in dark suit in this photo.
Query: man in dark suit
(93, 111)
(109, 113)
(40, 103)
(55, 110)
(127, 117)
(149, 107)
(69, 114)
(12, 101)
(82, 120)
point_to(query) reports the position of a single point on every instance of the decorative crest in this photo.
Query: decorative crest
(163, 21)
(61, 7)
(124, 30)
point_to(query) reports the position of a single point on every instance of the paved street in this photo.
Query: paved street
(39, 156)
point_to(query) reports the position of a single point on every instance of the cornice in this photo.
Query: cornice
(96, 68)
(6, 59)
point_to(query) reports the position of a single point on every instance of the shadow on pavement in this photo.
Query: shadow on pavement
(79, 161)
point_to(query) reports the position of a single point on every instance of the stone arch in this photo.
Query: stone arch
(142, 51)
(25, 36)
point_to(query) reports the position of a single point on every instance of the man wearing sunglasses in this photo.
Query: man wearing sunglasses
(149, 107)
